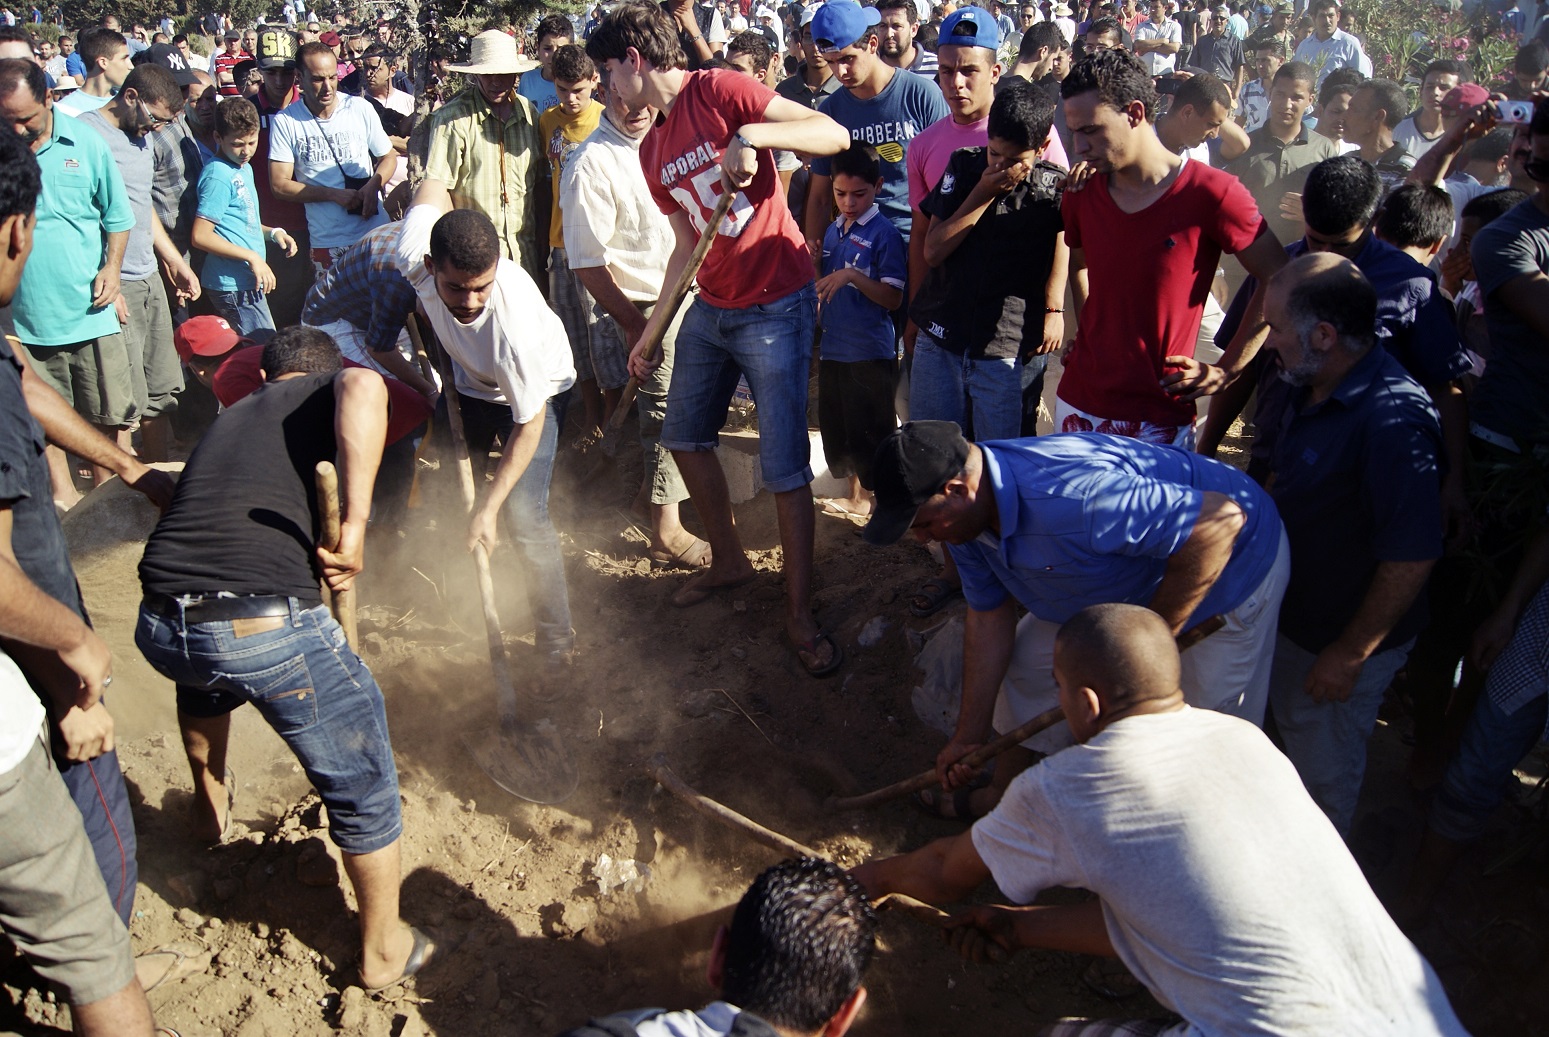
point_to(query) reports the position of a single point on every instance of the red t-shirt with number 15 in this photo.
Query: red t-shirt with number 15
(759, 255)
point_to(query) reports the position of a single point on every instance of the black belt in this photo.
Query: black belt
(212, 609)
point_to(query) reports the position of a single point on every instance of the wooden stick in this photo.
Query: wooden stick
(505, 690)
(659, 769)
(341, 602)
(978, 758)
(423, 359)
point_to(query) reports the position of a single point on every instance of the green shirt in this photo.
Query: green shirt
(1270, 169)
(83, 201)
(492, 166)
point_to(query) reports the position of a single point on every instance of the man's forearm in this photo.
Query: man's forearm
(816, 134)
(1432, 167)
(820, 203)
(166, 251)
(360, 427)
(398, 365)
(32, 617)
(1076, 928)
(599, 281)
(988, 640)
(386, 166)
(433, 192)
(113, 253)
(521, 446)
(1393, 590)
(1194, 568)
(942, 872)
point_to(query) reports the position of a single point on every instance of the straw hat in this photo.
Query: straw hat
(494, 54)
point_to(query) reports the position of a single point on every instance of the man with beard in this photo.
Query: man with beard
(1358, 451)
(897, 45)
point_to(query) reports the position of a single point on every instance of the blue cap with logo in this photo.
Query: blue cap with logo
(842, 23)
(969, 27)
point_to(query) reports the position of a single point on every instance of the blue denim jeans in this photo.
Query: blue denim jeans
(770, 345)
(299, 673)
(527, 517)
(246, 311)
(948, 386)
(1327, 740)
(1493, 744)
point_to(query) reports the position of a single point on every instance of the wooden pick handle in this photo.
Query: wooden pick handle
(342, 603)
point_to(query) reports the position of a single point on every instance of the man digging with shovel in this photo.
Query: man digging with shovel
(233, 613)
(1061, 522)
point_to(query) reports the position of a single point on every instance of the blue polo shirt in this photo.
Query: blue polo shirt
(854, 327)
(83, 199)
(1089, 519)
(1357, 479)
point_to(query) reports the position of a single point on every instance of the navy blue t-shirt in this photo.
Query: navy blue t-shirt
(887, 122)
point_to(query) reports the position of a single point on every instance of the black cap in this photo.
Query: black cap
(171, 59)
(276, 49)
(912, 465)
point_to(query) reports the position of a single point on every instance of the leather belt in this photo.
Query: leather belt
(213, 609)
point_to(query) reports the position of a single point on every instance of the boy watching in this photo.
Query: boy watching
(994, 295)
(562, 128)
(864, 265)
(1416, 219)
(537, 85)
(227, 228)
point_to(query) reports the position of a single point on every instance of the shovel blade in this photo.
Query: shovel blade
(527, 760)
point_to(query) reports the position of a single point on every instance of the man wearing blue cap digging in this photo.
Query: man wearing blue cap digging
(875, 104)
(1061, 522)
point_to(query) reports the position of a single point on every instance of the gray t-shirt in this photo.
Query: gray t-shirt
(138, 168)
(1226, 891)
(1510, 397)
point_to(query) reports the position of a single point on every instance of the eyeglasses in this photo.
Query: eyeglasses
(156, 121)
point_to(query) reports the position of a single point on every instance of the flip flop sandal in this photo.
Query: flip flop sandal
(188, 959)
(682, 559)
(426, 951)
(932, 597)
(811, 647)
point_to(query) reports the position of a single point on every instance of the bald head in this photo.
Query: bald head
(1124, 653)
(1325, 288)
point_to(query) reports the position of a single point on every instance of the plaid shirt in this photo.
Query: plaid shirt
(365, 288)
(1521, 674)
(491, 166)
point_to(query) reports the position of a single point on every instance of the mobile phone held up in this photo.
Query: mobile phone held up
(1514, 113)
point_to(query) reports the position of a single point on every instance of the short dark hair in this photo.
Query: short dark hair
(1297, 72)
(1349, 303)
(1340, 193)
(16, 71)
(1415, 215)
(1448, 67)
(755, 45)
(1042, 35)
(799, 944)
(17, 34)
(641, 25)
(1118, 77)
(66, 36)
(20, 179)
(97, 44)
(552, 27)
(857, 160)
(467, 240)
(382, 52)
(1492, 147)
(156, 85)
(181, 37)
(299, 349)
(1103, 26)
(1487, 208)
(571, 65)
(1321, 5)
(1022, 115)
(1340, 81)
(1532, 57)
(1202, 90)
(927, 36)
(1390, 97)
(906, 6)
(235, 115)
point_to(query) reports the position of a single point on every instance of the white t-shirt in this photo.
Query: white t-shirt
(1155, 61)
(610, 218)
(1225, 889)
(21, 715)
(1408, 134)
(322, 152)
(516, 352)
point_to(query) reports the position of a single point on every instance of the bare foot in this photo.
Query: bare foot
(383, 970)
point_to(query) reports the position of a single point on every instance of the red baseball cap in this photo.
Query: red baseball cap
(1462, 98)
(204, 336)
(330, 38)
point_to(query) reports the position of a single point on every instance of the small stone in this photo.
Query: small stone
(739, 606)
(738, 653)
(697, 704)
(293, 950)
(213, 924)
(261, 930)
(314, 867)
(187, 918)
(352, 1008)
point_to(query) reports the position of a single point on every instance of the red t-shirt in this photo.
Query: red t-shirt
(759, 255)
(241, 375)
(1149, 273)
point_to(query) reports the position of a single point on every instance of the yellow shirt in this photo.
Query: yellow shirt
(562, 133)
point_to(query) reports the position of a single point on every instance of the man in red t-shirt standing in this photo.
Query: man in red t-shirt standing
(755, 312)
(1149, 227)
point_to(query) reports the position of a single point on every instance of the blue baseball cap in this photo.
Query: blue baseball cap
(969, 27)
(841, 23)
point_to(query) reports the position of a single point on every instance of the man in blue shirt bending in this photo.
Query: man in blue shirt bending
(1061, 522)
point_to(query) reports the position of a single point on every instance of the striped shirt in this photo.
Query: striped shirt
(365, 288)
(492, 171)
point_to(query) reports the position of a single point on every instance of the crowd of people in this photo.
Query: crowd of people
(1208, 213)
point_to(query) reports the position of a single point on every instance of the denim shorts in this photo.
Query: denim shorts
(770, 345)
(247, 312)
(318, 696)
